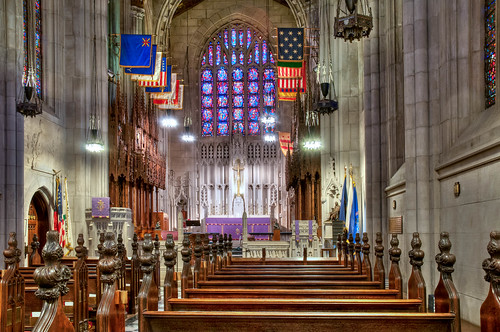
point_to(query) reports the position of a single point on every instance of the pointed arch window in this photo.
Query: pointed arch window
(237, 82)
(32, 23)
(490, 51)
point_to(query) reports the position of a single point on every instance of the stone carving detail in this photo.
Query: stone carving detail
(52, 278)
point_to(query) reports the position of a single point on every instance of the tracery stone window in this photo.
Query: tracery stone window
(238, 82)
(490, 52)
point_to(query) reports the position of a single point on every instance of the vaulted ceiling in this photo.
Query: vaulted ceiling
(188, 4)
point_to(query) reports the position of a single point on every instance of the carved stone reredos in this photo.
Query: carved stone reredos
(445, 260)
(147, 258)
(492, 265)
(109, 264)
(12, 254)
(395, 252)
(169, 254)
(416, 254)
(53, 277)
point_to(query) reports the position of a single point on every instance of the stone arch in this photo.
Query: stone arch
(169, 7)
(41, 203)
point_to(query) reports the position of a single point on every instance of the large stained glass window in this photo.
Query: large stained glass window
(36, 47)
(237, 82)
(490, 56)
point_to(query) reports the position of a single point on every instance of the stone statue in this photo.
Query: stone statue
(334, 214)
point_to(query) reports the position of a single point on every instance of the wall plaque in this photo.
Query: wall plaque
(396, 225)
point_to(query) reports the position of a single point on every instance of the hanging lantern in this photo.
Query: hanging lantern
(326, 106)
(354, 20)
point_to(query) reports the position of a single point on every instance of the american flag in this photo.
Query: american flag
(289, 80)
(163, 80)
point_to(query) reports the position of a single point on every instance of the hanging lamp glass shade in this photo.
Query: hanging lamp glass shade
(353, 20)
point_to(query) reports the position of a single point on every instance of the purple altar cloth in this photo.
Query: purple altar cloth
(234, 226)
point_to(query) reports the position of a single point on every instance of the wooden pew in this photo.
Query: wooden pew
(148, 294)
(12, 289)
(490, 309)
(296, 321)
(110, 315)
(52, 285)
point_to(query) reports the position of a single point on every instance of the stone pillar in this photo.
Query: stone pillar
(11, 124)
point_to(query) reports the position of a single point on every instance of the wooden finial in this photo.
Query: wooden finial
(345, 249)
(214, 254)
(52, 282)
(416, 282)
(351, 251)
(186, 276)
(12, 254)
(53, 277)
(80, 249)
(169, 256)
(357, 249)
(100, 245)
(339, 247)
(490, 309)
(109, 264)
(34, 248)
(120, 246)
(147, 258)
(395, 279)
(446, 296)
(135, 245)
(206, 248)
(198, 252)
(157, 246)
(378, 269)
(367, 265)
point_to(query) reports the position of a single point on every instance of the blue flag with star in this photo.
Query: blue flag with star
(146, 70)
(136, 51)
(290, 47)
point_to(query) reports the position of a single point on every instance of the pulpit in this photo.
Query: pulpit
(305, 235)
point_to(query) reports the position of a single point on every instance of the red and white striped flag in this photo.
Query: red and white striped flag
(289, 80)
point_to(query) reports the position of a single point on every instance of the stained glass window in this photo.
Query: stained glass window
(37, 44)
(490, 52)
(237, 82)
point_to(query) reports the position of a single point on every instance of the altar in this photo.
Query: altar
(234, 226)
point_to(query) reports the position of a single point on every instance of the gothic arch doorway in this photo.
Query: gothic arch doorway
(38, 219)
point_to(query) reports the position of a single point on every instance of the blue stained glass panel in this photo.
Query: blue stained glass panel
(271, 58)
(238, 114)
(269, 87)
(250, 57)
(207, 101)
(264, 51)
(240, 35)
(249, 37)
(204, 61)
(233, 58)
(269, 100)
(222, 129)
(222, 101)
(257, 54)
(253, 87)
(206, 76)
(253, 74)
(206, 88)
(253, 100)
(207, 115)
(237, 88)
(225, 59)
(238, 101)
(253, 114)
(211, 55)
(222, 88)
(237, 74)
(226, 39)
(223, 115)
(238, 128)
(242, 58)
(490, 52)
(253, 128)
(207, 129)
(268, 74)
(222, 74)
(218, 54)
(268, 111)
(233, 37)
